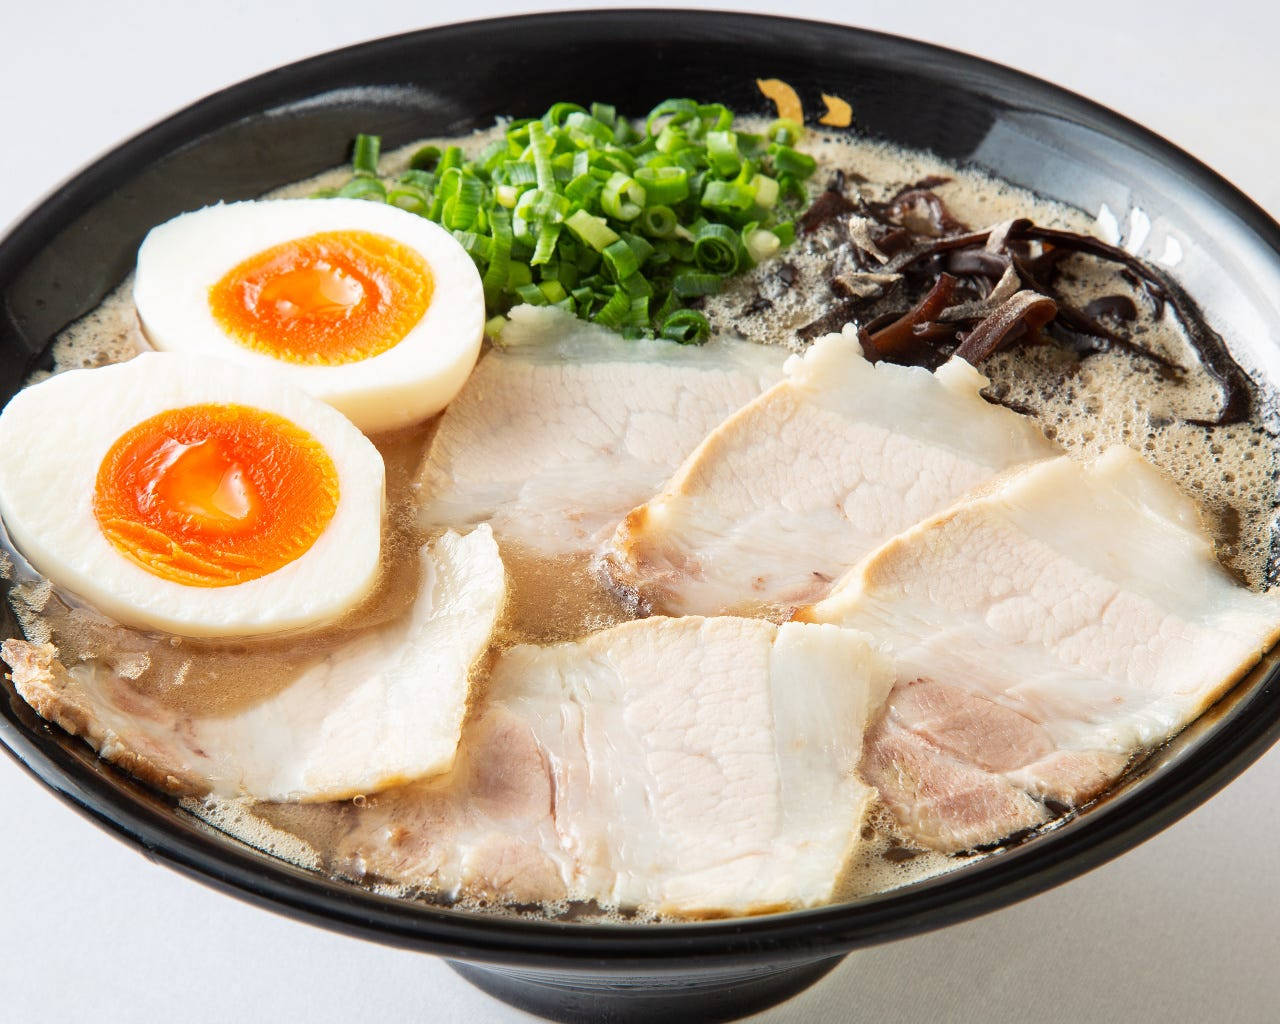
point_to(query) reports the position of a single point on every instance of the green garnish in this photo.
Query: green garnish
(618, 223)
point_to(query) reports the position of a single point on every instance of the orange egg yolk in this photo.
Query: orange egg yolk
(213, 495)
(329, 298)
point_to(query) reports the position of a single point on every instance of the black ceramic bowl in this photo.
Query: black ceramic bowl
(66, 255)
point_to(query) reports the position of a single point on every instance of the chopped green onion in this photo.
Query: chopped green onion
(722, 148)
(541, 145)
(363, 188)
(620, 224)
(623, 197)
(553, 291)
(678, 111)
(585, 129)
(671, 139)
(637, 286)
(532, 294)
(520, 174)
(476, 245)
(408, 198)
(518, 275)
(418, 179)
(584, 188)
(716, 116)
(728, 195)
(364, 154)
(692, 283)
(642, 248)
(766, 190)
(495, 276)
(659, 221)
(558, 113)
(790, 161)
(425, 159)
(620, 259)
(785, 132)
(615, 310)
(466, 203)
(663, 185)
(760, 243)
(451, 157)
(547, 237)
(717, 249)
(687, 326)
(594, 231)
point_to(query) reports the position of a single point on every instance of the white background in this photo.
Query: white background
(1187, 927)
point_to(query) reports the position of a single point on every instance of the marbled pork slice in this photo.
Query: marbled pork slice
(1045, 631)
(381, 709)
(693, 767)
(792, 490)
(565, 426)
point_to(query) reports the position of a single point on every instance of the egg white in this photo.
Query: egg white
(53, 437)
(181, 259)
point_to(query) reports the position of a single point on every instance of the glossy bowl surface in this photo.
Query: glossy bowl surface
(80, 242)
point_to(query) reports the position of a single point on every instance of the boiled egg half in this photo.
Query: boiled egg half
(377, 311)
(181, 494)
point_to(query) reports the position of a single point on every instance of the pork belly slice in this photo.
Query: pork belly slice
(694, 767)
(1046, 631)
(565, 427)
(791, 491)
(380, 709)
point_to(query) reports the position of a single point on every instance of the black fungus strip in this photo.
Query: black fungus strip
(919, 209)
(896, 340)
(843, 312)
(926, 244)
(1082, 333)
(1237, 389)
(829, 205)
(1120, 307)
(977, 261)
(1019, 316)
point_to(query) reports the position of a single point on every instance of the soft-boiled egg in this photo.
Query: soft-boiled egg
(181, 494)
(374, 310)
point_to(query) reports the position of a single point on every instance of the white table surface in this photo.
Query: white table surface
(1185, 928)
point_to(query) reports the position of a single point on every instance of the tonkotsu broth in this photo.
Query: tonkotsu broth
(1084, 404)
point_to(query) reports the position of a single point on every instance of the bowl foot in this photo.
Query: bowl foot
(704, 996)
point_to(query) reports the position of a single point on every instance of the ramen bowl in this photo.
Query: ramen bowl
(78, 244)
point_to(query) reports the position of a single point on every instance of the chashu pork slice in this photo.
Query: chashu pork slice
(693, 767)
(1045, 631)
(792, 490)
(381, 709)
(566, 426)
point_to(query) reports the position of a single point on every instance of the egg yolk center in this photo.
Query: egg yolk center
(207, 482)
(213, 495)
(329, 298)
(316, 291)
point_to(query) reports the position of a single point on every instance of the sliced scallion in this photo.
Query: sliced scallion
(364, 154)
(717, 249)
(623, 197)
(619, 222)
(594, 231)
(425, 159)
(687, 326)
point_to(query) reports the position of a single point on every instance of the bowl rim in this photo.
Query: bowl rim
(94, 790)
